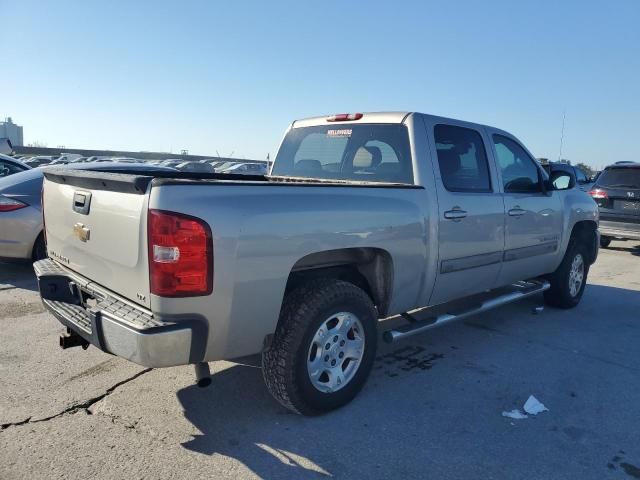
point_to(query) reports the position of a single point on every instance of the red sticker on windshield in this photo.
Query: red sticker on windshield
(346, 132)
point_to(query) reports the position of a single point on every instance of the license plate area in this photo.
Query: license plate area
(628, 206)
(87, 299)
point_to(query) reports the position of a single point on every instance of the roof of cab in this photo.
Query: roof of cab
(382, 117)
(370, 117)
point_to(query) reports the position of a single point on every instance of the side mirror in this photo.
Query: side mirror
(560, 180)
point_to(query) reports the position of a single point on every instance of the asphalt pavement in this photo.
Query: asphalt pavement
(432, 407)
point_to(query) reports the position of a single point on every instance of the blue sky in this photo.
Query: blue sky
(230, 76)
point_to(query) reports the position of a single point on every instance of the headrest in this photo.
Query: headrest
(308, 164)
(367, 157)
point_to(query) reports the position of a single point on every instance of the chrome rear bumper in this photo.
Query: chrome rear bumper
(116, 326)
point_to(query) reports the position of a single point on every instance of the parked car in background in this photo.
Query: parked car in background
(97, 159)
(195, 167)
(9, 166)
(215, 163)
(617, 193)
(21, 210)
(247, 169)
(172, 162)
(365, 216)
(225, 165)
(126, 160)
(69, 157)
(103, 159)
(583, 181)
(39, 160)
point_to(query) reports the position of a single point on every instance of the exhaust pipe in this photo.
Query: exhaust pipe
(203, 374)
(72, 339)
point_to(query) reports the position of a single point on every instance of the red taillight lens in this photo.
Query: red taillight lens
(180, 255)
(344, 117)
(598, 193)
(8, 204)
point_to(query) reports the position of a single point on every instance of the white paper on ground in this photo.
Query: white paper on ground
(516, 414)
(533, 407)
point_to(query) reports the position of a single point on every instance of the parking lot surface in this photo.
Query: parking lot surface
(431, 409)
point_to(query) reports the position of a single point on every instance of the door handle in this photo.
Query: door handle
(455, 214)
(516, 212)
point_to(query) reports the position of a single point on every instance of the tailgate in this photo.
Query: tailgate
(96, 226)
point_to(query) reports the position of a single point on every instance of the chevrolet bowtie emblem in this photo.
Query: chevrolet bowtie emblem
(82, 232)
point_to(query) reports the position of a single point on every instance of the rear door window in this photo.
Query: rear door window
(365, 152)
(462, 159)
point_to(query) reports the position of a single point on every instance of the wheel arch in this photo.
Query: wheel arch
(369, 268)
(584, 232)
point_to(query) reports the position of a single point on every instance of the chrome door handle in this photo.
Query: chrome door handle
(455, 214)
(516, 212)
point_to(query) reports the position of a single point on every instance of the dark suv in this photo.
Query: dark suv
(617, 193)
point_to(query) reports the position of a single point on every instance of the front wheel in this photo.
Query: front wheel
(323, 348)
(569, 280)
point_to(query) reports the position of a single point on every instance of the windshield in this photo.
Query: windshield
(365, 152)
(620, 177)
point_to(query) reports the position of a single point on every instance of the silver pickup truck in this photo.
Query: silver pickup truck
(363, 217)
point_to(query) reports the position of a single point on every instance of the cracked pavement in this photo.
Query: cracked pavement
(432, 407)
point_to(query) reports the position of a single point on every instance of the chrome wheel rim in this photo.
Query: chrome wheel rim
(576, 275)
(335, 352)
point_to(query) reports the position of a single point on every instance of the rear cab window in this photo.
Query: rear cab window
(363, 153)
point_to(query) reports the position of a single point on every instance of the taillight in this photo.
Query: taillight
(8, 204)
(180, 255)
(344, 117)
(598, 193)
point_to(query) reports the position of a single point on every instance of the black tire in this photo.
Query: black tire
(560, 294)
(284, 363)
(605, 242)
(39, 249)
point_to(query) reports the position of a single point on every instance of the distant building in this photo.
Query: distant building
(13, 132)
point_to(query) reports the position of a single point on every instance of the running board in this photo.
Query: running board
(521, 290)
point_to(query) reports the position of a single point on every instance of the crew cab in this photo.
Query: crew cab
(362, 217)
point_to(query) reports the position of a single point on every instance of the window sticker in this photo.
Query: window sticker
(345, 132)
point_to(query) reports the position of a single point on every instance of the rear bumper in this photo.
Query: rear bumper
(116, 326)
(629, 231)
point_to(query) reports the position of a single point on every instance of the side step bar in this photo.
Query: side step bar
(521, 290)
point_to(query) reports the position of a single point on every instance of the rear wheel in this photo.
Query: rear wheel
(569, 280)
(324, 347)
(605, 242)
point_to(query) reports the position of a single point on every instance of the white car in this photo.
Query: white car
(247, 169)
